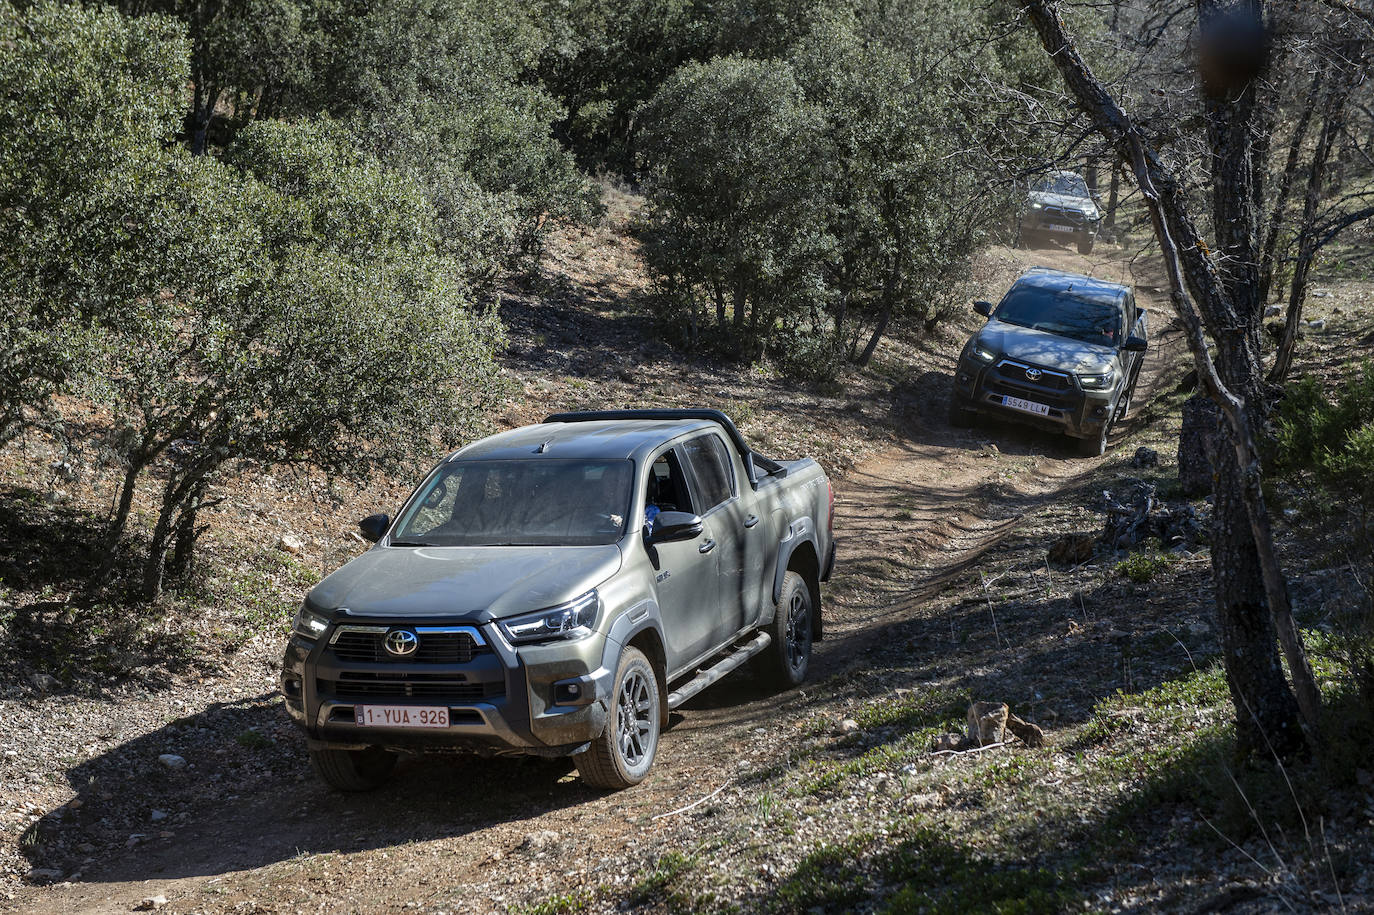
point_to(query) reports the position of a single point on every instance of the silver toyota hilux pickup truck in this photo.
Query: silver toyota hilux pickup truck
(555, 590)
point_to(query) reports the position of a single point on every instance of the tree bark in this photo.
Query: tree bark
(1243, 560)
(1332, 124)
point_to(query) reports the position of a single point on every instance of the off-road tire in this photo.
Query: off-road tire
(960, 416)
(787, 659)
(353, 770)
(1123, 406)
(1085, 243)
(622, 755)
(1095, 445)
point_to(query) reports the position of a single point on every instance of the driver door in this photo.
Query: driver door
(686, 571)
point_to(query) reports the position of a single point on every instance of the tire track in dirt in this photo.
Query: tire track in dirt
(464, 836)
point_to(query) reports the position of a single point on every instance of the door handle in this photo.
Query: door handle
(707, 547)
(751, 520)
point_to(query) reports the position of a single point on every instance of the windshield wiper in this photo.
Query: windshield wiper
(409, 543)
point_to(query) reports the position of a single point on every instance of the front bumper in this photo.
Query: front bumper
(546, 700)
(1059, 221)
(995, 388)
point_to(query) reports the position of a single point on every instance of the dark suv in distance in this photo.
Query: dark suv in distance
(1061, 351)
(1061, 204)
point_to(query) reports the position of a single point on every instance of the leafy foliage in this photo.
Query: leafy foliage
(296, 303)
(1331, 441)
(85, 98)
(832, 189)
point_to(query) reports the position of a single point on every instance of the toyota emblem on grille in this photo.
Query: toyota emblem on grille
(401, 642)
(1034, 374)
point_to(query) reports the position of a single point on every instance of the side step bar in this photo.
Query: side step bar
(706, 676)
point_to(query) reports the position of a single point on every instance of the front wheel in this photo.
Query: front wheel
(960, 416)
(622, 755)
(1095, 445)
(1085, 243)
(353, 770)
(786, 660)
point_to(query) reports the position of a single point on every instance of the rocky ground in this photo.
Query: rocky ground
(970, 568)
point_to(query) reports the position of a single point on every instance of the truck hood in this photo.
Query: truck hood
(1045, 349)
(479, 583)
(1083, 205)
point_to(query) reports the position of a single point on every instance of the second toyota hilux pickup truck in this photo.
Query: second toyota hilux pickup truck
(555, 590)
(1061, 351)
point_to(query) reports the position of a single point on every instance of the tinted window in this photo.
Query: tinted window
(1067, 185)
(1063, 313)
(520, 503)
(711, 466)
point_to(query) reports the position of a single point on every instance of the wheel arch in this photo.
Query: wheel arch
(805, 562)
(650, 642)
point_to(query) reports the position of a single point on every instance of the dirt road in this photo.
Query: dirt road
(244, 827)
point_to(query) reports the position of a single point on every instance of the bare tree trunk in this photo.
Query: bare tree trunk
(1332, 123)
(1243, 555)
(1112, 193)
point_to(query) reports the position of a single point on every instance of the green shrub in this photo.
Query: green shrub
(1141, 567)
(1330, 442)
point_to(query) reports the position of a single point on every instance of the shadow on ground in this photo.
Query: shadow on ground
(246, 797)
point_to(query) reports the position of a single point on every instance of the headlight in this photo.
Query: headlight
(1097, 382)
(574, 620)
(1037, 206)
(982, 353)
(309, 624)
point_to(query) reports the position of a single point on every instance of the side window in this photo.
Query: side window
(711, 467)
(667, 488)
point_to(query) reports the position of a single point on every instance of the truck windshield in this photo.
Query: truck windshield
(520, 503)
(1067, 185)
(1063, 313)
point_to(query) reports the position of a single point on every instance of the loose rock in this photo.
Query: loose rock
(540, 840)
(45, 683)
(151, 904)
(290, 543)
(1145, 457)
(172, 761)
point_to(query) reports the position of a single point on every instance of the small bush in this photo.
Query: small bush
(1141, 567)
(806, 356)
(1330, 441)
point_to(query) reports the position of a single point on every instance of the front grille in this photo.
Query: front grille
(386, 686)
(1014, 374)
(1059, 214)
(365, 647)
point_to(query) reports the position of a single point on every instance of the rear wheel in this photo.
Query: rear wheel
(622, 755)
(353, 770)
(787, 659)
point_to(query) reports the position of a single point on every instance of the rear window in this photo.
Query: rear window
(710, 464)
(1063, 313)
(520, 503)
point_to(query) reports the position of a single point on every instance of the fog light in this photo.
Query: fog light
(572, 692)
(1100, 411)
(291, 686)
(963, 378)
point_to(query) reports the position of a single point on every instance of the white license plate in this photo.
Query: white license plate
(400, 716)
(1058, 227)
(1027, 406)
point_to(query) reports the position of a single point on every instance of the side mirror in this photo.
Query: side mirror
(670, 526)
(1135, 345)
(374, 526)
(983, 308)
